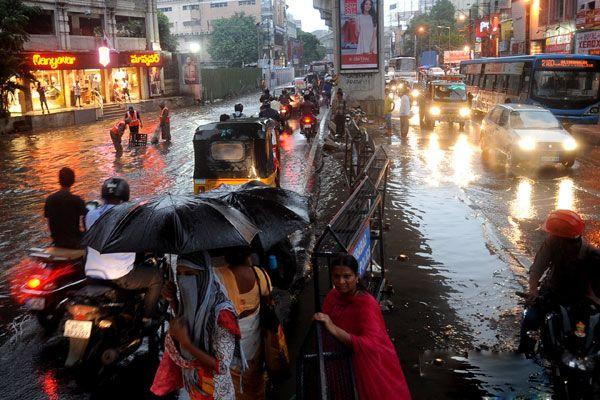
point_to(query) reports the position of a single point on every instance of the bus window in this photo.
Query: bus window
(514, 84)
(489, 82)
(477, 81)
(561, 85)
(501, 83)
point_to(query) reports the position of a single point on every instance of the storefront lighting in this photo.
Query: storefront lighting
(104, 56)
(194, 47)
(120, 74)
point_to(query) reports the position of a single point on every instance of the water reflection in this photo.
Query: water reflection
(434, 156)
(565, 199)
(462, 161)
(521, 207)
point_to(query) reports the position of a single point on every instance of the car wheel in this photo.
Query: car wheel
(568, 164)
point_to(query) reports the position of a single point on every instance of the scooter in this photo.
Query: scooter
(285, 112)
(104, 324)
(41, 282)
(308, 126)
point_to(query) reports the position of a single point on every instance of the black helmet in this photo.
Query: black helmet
(238, 107)
(115, 188)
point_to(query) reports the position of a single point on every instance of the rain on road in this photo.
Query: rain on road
(468, 231)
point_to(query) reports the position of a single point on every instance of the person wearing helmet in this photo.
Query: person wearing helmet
(238, 111)
(267, 112)
(120, 268)
(567, 262)
(308, 107)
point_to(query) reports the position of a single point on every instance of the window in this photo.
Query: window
(477, 80)
(192, 23)
(503, 120)
(489, 82)
(514, 84)
(456, 91)
(494, 115)
(533, 120)
(501, 82)
(41, 23)
(84, 25)
(227, 151)
(130, 26)
(218, 5)
(165, 9)
(192, 7)
(247, 2)
(566, 85)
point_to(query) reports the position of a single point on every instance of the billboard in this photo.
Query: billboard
(456, 56)
(588, 14)
(587, 43)
(359, 46)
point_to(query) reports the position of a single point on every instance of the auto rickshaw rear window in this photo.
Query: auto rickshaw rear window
(227, 151)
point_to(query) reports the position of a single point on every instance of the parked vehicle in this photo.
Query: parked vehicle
(565, 84)
(42, 281)
(526, 135)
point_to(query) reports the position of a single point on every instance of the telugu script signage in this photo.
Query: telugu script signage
(149, 60)
(90, 60)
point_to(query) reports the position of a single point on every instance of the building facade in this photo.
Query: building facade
(63, 53)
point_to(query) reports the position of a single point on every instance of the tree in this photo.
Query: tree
(313, 50)
(234, 40)
(168, 42)
(442, 14)
(14, 73)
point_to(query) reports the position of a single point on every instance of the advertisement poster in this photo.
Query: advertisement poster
(456, 56)
(190, 74)
(588, 43)
(588, 14)
(361, 250)
(359, 34)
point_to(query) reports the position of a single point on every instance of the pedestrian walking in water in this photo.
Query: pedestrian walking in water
(116, 133)
(338, 110)
(135, 122)
(77, 94)
(165, 122)
(353, 317)
(404, 112)
(388, 106)
(205, 341)
(245, 284)
(42, 93)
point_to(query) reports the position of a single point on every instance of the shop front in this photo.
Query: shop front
(78, 79)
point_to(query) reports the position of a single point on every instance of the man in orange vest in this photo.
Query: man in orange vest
(135, 122)
(116, 132)
(165, 122)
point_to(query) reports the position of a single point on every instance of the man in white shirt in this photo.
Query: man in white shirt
(404, 112)
(120, 268)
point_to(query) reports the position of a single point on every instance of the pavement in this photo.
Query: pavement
(469, 232)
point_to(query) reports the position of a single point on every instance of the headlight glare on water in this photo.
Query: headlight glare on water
(435, 111)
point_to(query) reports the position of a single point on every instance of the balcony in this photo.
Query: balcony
(130, 44)
(41, 42)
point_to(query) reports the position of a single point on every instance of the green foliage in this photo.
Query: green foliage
(14, 17)
(168, 42)
(313, 50)
(234, 40)
(443, 14)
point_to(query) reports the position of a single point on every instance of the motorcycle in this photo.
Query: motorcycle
(285, 112)
(42, 281)
(308, 126)
(104, 324)
(569, 340)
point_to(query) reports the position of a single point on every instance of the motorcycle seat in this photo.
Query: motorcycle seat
(105, 288)
(57, 253)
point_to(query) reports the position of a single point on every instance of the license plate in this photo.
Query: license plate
(78, 329)
(550, 158)
(35, 303)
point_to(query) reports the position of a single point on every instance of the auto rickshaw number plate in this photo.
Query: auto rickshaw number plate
(78, 329)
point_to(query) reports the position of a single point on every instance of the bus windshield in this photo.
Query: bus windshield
(450, 92)
(533, 120)
(404, 64)
(566, 85)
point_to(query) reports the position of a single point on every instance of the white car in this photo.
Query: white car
(526, 134)
(435, 71)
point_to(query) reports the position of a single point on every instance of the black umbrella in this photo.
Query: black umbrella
(276, 212)
(172, 224)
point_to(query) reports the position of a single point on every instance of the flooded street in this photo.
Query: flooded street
(469, 232)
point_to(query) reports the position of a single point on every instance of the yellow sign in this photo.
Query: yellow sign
(146, 59)
(53, 62)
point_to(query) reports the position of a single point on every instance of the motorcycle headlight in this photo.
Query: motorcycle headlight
(527, 144)
(464, 112)
(393, 87)
(569, 144)
(435, 111)
(415, 93)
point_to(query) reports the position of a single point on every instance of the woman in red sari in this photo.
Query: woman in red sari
(354, 318)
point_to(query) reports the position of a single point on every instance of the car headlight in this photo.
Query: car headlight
(527, 144)
(464, 112)
(435, 111)
(415, 93)
(569, 144)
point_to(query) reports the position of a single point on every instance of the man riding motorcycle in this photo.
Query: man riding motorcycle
(284, 98)
(569, 263)
(121, 268)
(267, 112)
(308, 107)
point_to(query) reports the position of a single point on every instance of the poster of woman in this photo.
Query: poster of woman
(359, 34)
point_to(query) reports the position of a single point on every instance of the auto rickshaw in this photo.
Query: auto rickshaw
(235, 152)
(444, 100)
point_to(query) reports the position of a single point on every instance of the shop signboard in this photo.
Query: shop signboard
(359, 34)
(587, 43)
(588, 14)
(58, 61)
(361, 249)
(487, 26)
(560, 44)
(456, 56)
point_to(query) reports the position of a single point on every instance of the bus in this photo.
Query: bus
(565, 84)
(404, 68)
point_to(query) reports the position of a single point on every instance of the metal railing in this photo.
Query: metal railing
(325, 365)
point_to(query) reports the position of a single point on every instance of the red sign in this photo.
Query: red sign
(560, 44)
(351, 7)
(89, 60)
(486, 27)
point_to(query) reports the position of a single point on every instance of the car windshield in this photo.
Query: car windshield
(566, 85)
(533, 120)
(450, 92)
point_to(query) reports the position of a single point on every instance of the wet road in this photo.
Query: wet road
(29, 363)
(470, 231)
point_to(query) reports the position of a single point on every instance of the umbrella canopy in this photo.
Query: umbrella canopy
(173, 224)
(276, 212)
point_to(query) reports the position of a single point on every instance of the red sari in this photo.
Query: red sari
(376, 365)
